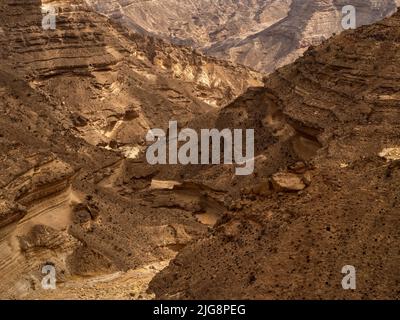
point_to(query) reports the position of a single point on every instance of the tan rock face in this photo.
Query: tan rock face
(263, 34)
(10, 212)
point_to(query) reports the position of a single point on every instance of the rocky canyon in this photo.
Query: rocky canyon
(79, 196)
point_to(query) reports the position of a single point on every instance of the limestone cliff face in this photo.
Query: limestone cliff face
(263, 34)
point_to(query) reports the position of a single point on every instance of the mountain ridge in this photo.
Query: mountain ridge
(264, 34)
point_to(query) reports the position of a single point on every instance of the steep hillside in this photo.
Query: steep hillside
(196, 23)
(113, 72)
(263, 34)
(76, 103)
(325, 190)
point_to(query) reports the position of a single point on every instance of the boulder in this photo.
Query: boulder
(79, 120)
(287, 182)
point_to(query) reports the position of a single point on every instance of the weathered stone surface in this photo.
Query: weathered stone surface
(10, 212)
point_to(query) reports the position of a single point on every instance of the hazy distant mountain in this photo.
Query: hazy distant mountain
(263, 34)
